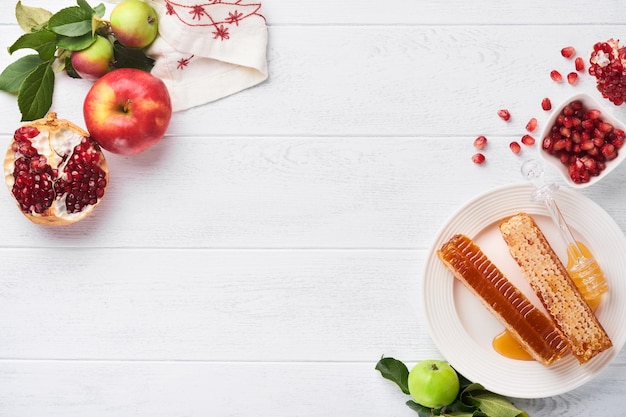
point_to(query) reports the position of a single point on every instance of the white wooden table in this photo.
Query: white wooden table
(262, 257)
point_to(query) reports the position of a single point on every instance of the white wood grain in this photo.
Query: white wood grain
(262, 257)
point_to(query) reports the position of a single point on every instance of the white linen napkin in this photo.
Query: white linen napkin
(208, 49)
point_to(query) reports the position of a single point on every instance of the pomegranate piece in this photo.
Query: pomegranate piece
(528, 140)
(515, 147)
(583, 141)
(556, 76)
(478, 158)
(480, 142)
(608, 66)
(531, 125)
(504, 115)
(579, 64)
(568, 51)
(55, 172)
(572, 78)
(546, 104)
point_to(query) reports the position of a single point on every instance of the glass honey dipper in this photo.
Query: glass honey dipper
(582, 267)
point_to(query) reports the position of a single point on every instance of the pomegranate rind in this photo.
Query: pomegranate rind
(57, 137)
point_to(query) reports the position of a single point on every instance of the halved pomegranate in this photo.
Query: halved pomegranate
(55, 172)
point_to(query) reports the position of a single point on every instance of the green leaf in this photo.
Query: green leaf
(43, 41)
(131, 58)
(75, 43)
(34, 98)
(99, 10)
(30, 18)
(14, 74)
(495, 405)
(85, 6)
(421, 410)
(71, 21)
(395, 371)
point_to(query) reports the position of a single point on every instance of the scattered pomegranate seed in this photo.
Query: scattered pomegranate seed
(572, 77)
(579, 63)
(568, 51)
(546, 104)
(528, 140)
(504, 114)
(556, 76)
(480, 142)
(515, 147)
(531, 125)
(478, 158)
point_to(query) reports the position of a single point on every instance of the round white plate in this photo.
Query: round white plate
(463, 329)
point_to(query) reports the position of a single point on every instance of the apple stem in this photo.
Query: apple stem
(126, 107)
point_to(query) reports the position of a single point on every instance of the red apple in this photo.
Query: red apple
(127, 111)
(95, 60)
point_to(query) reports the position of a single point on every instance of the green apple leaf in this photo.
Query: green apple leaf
(395, 371)
(42, 41)
(34, 98)
(14, 74)
(99, 10)
(85, 6)
(71, 21)
(131, 58)
(75, 43)
(30, 18)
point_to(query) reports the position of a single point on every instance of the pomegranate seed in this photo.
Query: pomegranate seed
(556, 76)
(478, 158)
(515, 147)
(504, 114)
(480, 142)
(528, 140)
(531, 125)
(579, 64)
(572, 77)
(546, 104)
(568, 51)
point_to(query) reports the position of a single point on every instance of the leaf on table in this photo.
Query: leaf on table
(14, 74)
(495, 405)
(43, 41)
(34, 98)
(71, 21)
(395, 371)
(29, 18)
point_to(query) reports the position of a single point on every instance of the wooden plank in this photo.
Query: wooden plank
(222, 305)
(283, 389)
(404, 12)
(379, 81)
(289, 192)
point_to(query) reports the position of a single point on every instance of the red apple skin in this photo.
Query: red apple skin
(94, 61)
(127, 111)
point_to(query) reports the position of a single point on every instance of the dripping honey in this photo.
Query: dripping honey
(506, 345)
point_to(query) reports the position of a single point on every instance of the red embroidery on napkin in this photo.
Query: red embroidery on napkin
(183, 62)
(200, 14)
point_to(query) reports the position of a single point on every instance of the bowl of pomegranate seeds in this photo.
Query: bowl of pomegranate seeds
(583, 141)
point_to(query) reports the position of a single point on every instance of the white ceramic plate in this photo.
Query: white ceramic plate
(463, 329)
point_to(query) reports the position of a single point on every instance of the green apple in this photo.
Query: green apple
(433, 383)
(95, 60)
(134, 23)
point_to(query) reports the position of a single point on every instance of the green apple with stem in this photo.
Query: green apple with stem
(433, 383)
(134, 23)
(95, 60)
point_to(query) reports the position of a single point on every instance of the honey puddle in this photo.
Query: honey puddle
(506, 345)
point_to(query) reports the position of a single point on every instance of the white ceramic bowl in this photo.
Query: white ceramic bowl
(589, 103)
